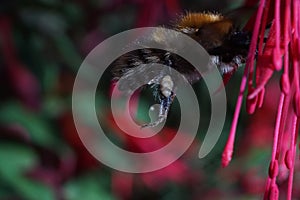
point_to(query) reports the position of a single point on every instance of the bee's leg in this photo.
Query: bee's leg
(166, 95)
(228, 69)
(165, 104)
(227, 72)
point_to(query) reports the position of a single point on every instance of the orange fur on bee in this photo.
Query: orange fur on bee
(208, 29)
(198, 20)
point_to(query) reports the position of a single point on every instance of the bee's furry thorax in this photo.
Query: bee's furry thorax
(209, 29)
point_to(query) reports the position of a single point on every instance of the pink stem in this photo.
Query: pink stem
(228, 150)
(295, 49)
(276, 52)
(263, 28)
(292, 157)
(275, 140)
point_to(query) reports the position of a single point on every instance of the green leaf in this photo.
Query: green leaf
(33, 190)
(67, 51)
(40, 133)
(15, 161)
(50, 74)
(48, 22)
(73, 13)
(87, 187)
(53, 106)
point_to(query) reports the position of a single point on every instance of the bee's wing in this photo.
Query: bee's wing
(136, 77)
(190, 73)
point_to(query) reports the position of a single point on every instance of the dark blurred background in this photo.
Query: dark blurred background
(42, 44)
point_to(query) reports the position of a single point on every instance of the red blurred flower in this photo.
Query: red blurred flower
(178, 172)
(24, 84)
(85, 160)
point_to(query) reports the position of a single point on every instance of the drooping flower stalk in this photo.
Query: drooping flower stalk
(228, 151)
(281, 50)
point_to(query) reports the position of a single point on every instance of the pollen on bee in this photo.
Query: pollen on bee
(166, 86)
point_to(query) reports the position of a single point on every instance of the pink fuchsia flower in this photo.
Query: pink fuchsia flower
(279, 53)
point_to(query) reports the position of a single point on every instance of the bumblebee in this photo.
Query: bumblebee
(225, 42)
